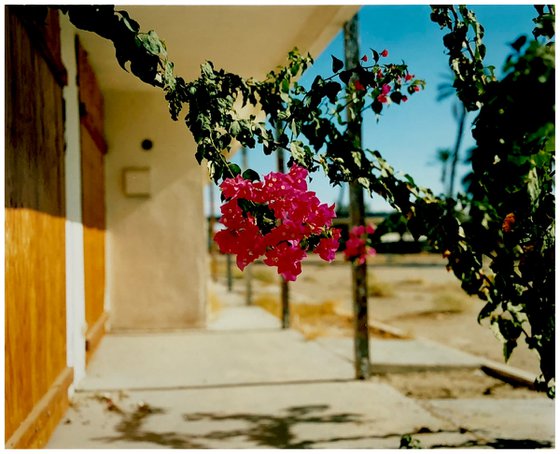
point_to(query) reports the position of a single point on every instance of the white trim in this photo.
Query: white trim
(75, 286)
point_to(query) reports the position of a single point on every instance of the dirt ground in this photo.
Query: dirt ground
(413, 293)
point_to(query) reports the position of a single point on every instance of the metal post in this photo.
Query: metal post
(247, 272)
(284, 288)
(357, 217)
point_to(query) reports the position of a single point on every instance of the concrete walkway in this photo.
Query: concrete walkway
(245, 383)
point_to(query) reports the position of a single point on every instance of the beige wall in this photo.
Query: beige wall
(156, 246)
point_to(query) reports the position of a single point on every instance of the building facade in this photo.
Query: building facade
(104, 217)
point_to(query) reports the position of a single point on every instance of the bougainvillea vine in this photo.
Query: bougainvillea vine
(278, 218)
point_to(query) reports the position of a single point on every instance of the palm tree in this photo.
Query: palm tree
(451, 157)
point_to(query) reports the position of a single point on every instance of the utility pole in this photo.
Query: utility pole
(357, 215)
(284, 288)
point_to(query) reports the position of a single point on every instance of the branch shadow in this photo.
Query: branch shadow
(500, 443)
(264, 430)
(131, 430)
(275, 431)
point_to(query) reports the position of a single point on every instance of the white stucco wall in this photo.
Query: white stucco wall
(156, 245)
(75, 286)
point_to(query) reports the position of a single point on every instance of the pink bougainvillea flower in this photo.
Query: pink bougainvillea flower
(416, 88)
(385, 88)
(237, 187)
(356, 250)
(382, 99)
(404, 99)
(287, 258)
(379, 74)
(408, 77)
(358, 230)
(291, 219)
(364, 58)
(385, 53)
(232, 215)
(358, 246)
(327, 247)
(358, 85)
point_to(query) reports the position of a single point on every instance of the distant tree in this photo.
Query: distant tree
(449, 158)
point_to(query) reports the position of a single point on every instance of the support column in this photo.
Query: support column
(284, 288)
(357, 216)
(75, 285)
(248, 271)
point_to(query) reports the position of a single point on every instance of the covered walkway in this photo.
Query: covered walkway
(245, 383)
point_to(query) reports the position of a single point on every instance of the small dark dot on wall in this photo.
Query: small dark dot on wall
(147, 144)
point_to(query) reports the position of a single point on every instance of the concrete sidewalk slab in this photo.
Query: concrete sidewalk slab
(244, 318)
(209, 358)
(233, 387)
(529, 422)
(403, 355)
(312, 415)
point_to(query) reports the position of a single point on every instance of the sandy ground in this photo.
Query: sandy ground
(413, 293)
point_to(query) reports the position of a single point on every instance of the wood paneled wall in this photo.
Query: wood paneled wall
(93, 149)
(35, 312)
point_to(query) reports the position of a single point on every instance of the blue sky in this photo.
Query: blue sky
(409, 135)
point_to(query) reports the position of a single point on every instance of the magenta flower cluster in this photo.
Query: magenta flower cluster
(358, 245)
(277, 218)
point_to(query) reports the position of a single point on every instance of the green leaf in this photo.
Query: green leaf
(235, 128)
(207, 69)
(214, 170)
(151, 42)
(519, 42)
(297, 151)
(364, 182)
(357, 157)
(508, 348)
(375, 55)
(396, 97)
(345, 76)
(337, 64)
(131, 24)
(377, 106)
(294, 69)
(251, 175)
(332, 89)
(294, 127)
(285, 86)
(234, 169)
(482, 51)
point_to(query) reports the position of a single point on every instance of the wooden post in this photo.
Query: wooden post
(284, 288)
(357, 217)
(247, 272)
(229, 273)
(212, 244)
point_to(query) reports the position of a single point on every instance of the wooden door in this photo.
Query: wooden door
(36, 372)
(93, 149)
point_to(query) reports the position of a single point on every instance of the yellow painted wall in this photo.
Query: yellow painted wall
(156, 245)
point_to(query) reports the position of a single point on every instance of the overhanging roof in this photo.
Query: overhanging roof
(246, 40)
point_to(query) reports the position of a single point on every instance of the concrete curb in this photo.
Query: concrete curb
(390, 330)
(508, 374)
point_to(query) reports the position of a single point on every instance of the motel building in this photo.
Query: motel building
(105, 228)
